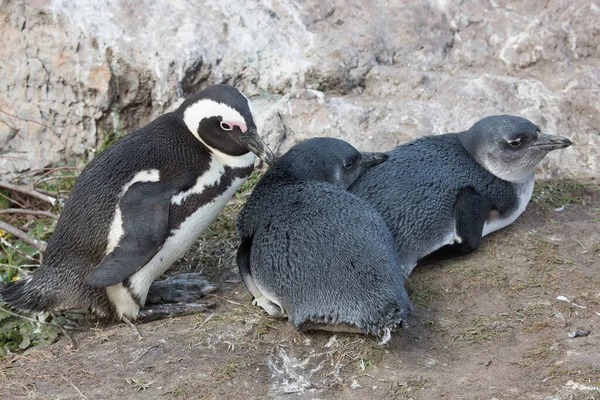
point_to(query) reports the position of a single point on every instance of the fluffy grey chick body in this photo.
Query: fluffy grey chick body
(439, 195)
(315, 253)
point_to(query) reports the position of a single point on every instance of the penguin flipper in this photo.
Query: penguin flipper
(145, 220)
(471, 210)
(243, 262)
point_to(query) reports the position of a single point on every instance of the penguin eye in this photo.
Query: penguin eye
(348, 164)
(226, 127)
(515, 143)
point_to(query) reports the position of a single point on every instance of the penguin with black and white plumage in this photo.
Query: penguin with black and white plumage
(317, 254)
(439, 195)
(139, 206)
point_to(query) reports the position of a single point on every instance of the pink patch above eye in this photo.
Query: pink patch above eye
(228, 125)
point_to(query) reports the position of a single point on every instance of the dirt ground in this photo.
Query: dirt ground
(486, 326)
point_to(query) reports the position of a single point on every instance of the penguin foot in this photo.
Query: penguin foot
(271, 308)
(182, 288)
(162, 311)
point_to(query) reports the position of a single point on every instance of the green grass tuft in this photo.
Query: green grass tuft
(481, 329)
(422, 289)
(109, 138)
(559, 193)
(18, 334)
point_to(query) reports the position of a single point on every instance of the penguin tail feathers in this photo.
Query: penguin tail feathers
(20, 295)
(392, 317)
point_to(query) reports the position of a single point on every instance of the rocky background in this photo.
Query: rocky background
(376, 73)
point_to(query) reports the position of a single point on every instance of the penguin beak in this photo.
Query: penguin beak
(254, 143)
(551, 142)
(372, 159)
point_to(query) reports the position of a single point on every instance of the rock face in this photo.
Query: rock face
(375, 73)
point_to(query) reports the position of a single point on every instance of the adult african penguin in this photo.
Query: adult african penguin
(439, 195)
(139, 205)
(316, 253)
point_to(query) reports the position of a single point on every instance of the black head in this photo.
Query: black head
(508, 146)
(329, 160)
(221, 117)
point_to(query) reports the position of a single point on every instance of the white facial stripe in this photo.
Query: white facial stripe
(250, 107)
(208, 108)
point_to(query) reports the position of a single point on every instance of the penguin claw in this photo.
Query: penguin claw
(161, 311)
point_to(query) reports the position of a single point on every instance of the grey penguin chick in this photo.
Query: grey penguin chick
(139, 205)
(316, 253)
(439, 195)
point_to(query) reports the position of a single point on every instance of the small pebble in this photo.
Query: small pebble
(578, 333)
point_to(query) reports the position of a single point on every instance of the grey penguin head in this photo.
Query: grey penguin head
(221, 117)
(509, 146)
(329, 160)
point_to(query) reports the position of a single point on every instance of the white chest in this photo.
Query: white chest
(524, 193)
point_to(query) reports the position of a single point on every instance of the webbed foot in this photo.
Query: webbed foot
(179, 288)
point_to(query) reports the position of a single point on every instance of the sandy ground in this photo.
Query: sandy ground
(486, 326)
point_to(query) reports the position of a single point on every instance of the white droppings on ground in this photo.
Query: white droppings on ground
(566, 299)
(292, 374)
(581, 387)
(331, 341)
(574, 390)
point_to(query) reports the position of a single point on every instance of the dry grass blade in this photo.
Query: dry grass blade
(6, 243)
(43, 172)
(38, 244)
(18, 266)
(73, 386)
(11, 200)
(37, 213)
(28, 191)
